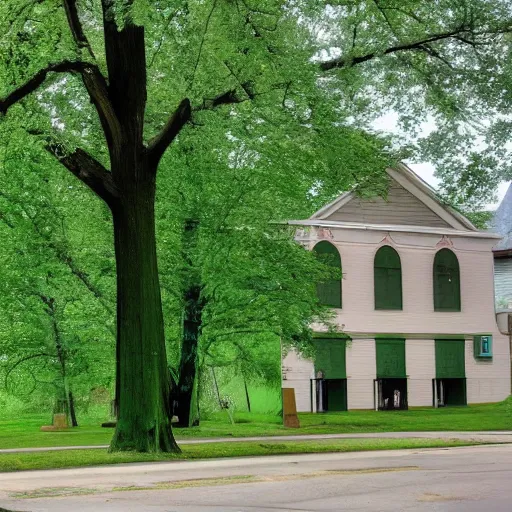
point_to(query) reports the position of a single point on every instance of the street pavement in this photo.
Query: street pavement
(469, 479)
(504, 436)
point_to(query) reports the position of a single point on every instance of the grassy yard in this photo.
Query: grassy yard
(23, 432)
(79, 458)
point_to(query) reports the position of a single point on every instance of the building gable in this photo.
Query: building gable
(400, 207)
(409, 202)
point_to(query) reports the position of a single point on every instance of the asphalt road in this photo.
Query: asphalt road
(449, 480)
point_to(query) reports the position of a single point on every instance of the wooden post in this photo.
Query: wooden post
(290, 418)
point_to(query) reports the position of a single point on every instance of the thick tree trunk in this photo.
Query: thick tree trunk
(143, 387)
(187, 406)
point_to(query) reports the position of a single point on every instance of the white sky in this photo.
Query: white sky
(426, 172)
(388, 123)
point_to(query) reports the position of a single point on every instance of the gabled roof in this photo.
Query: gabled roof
(501, 222)
(414, 185)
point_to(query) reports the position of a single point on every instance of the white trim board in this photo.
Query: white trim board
(394, 228)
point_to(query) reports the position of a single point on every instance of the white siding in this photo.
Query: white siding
(361, 372)
(418, 323)
(503, 279)
(488, 381)
(297, 372)
(420, 361)
(417, 253)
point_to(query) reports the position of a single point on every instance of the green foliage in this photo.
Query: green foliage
(46, 255)
(480, 219)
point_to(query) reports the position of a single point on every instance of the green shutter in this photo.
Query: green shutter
(446, 281)
(450, 359)
(330, 358)
(390, 358)
(387, 279)
(329, 291)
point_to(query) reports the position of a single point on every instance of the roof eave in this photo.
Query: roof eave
(393, 228)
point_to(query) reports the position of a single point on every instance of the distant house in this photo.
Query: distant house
(414, 309)
(501, 224)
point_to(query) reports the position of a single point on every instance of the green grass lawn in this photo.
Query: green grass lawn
(23, 431)
(79, 458)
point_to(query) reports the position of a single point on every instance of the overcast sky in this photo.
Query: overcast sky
(426, 172)
(388, 123)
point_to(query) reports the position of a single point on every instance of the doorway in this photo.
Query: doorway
(449, 392)
(330, 395)
(391, 394)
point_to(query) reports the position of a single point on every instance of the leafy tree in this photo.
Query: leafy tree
(48, 346)
(219, 60)
(243, 276)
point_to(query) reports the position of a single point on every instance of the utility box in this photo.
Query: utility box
(482, 347)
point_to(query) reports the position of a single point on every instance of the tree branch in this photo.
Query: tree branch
(22, 360)
(86, 168)
(93, 79)
(158, 145)
(60, 250)
(227, 98)
(38, 79)
(76, 26)
(420, 45)
(198, 59)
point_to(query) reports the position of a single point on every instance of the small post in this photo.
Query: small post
(290, 418)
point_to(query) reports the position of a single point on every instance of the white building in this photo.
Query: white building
(415, 306)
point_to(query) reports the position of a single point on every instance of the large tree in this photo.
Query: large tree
(242, 276)
(150, 69)
(106, 48)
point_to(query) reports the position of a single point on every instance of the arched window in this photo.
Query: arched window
(387, 272)
(446, 281)
(329, 292)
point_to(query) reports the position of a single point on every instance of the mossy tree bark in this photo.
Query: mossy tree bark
(143, 382)
(144, 416)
